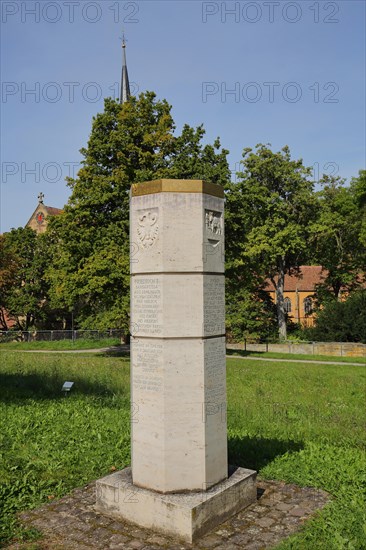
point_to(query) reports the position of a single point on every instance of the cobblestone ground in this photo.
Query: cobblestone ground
(72, 523)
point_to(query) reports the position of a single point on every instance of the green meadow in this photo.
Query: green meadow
(304, 424)
(62, 345)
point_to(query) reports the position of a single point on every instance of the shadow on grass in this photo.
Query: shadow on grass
(255, 453)
(124, 351)
(116, 351)
(17, 387)
(243, 353)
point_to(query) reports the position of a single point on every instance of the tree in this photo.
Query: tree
(8, 269)
(249, 311)
(336, 236)
(129, 143)
(358, 185)
(270, 209)
(26, 257)
(341, 321)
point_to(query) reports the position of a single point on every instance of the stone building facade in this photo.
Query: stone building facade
(39, 219)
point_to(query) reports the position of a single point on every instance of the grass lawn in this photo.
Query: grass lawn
(306, 357)
(302, 424)
(61, 344)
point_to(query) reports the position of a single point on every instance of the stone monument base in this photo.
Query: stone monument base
(187, 516)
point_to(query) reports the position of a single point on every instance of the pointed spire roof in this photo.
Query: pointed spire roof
(125, 83)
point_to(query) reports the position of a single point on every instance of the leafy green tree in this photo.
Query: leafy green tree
(343, 321)
(249, 311)
(269, 211)
(336, 237)
(25, 299)
(129, 143)
(358, 185)
(8, 269)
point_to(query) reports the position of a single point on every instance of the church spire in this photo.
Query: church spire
(125, 84)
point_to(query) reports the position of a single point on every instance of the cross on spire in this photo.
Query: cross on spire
(125, 84)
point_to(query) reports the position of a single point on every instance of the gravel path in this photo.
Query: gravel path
(294, 360)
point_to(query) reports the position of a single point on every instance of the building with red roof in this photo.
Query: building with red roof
(38, 220)
(299, 291)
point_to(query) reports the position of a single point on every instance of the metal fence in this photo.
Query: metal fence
(314, 348)
(57, 335)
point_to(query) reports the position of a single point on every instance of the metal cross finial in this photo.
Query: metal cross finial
(125, 84)
(41, 197)
(123, 39)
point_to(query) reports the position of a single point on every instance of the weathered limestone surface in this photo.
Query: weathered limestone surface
(178, 344)
(178, 367)
(169, 231)
(179, 424)
(178, 305)
(184, 515)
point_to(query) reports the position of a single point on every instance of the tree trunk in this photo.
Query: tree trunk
(281, 315)
(27, 322)
(3, 323)
(337, 291)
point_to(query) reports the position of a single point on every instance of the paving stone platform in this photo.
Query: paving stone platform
(71, 523)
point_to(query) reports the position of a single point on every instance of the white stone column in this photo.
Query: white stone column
(179, 482)
(178, 335)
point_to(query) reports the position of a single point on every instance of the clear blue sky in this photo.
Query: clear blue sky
(192, 53)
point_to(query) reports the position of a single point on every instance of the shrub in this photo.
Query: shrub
(341, 321)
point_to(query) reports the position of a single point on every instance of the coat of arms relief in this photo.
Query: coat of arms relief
(147, 228)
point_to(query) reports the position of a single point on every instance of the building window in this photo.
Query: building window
(287, 305)
(308, 305)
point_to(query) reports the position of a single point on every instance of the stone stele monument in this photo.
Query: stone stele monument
(179, 483)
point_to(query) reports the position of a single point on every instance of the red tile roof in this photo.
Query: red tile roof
(9, 322)
(51, 211)
(308, 277)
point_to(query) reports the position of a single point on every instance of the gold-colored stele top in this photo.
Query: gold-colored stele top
(176, 186)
